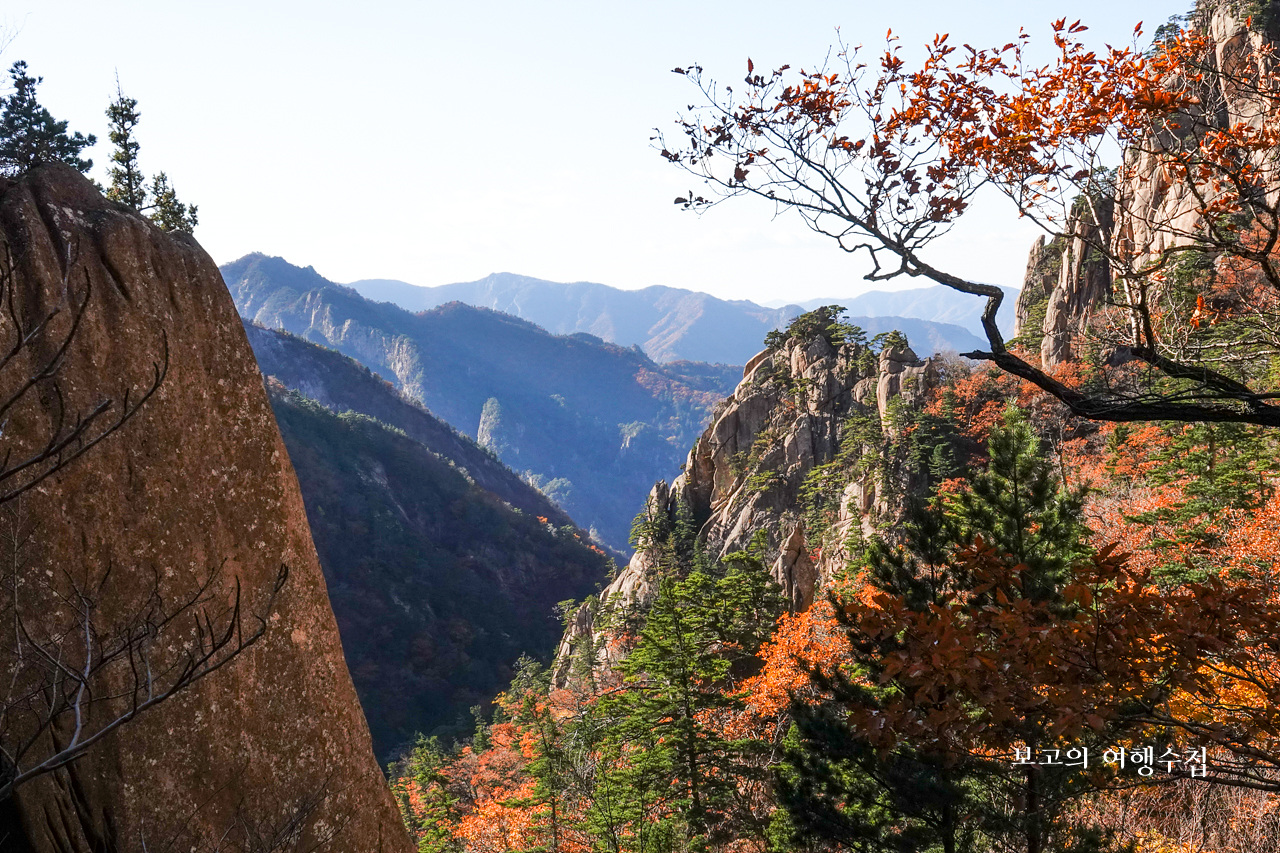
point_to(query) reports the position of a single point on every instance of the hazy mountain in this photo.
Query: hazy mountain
(592, 424)
(666, 322)
(936, 304)
(344, 385)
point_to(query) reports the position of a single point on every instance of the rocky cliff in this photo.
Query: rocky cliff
(1083, 281)
(166, 539)
(809, 452)
(1152, 211)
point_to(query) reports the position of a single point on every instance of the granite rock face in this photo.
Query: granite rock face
(1084, 280)
(194, 491)
(1037, 284)
(1159, 210)
(790, 414)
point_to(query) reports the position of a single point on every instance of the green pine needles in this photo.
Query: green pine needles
(128, 184)
(30, 135)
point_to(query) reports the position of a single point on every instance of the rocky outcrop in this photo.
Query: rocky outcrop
(1159, 210)
(1043, 263)
(193, 499)
(1084, 280)
(798, 407)
(1164, 209)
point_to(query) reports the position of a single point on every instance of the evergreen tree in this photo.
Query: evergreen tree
(1018, 506)
(428, 809)
(128, 185)
(29, 135)
(551, 771)
(833, 787)
(1215, 467)
(673, 771)
(166, 211)
(834, 784)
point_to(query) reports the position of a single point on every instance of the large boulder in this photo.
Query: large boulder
(189, 508)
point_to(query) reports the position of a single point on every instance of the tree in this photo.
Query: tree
(128, 185)
(884, 159)
(1019, 507)
(421, 788)
(29, 135)
(673, 767)
(167, 212)
(915, 792)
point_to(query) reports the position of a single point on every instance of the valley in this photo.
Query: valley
(513, 565)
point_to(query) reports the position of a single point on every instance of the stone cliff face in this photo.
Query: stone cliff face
(1160, 199)
(810, 403)
(1084, 279)
(197, 485)
(1159, 211)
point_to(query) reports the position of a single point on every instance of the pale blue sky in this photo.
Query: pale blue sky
(438, 142)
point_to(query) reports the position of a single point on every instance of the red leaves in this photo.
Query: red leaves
(1200, 311)
(971, 674)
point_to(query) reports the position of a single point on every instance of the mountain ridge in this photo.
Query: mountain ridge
(673, 323)
(515, 388)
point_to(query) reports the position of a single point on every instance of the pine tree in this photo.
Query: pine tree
(551, 771)
(1018, 506)
(676, 674)
(673, 772)
(429, 810)
(128, 185)
(167, 212)
(835, 784)
(1212, 468)
(29, 135)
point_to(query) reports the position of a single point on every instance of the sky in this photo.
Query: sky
(436, 142)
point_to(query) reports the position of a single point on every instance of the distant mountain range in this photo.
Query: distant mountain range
(591, 424)
(938, 304)
(443, 566)
(670, 324)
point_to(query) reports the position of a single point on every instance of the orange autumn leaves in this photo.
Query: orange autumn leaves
(494, 804)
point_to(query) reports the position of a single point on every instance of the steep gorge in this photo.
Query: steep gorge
(444, 568)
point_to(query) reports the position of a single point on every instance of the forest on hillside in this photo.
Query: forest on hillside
(1063, 643)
